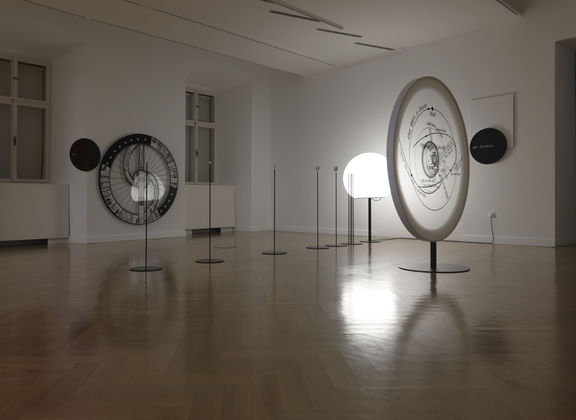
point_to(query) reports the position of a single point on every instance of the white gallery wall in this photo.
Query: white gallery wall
(104, 91)
(109, 88)
(125, 83)
(329, 118)
(233, 147)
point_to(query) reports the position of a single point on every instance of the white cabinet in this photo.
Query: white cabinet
(33, 211)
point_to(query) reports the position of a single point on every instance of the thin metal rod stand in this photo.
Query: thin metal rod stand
(370, 240)
(433, 267)
(274, 251)
(145, 267)
(317, 246)
(209, 260)
(336, 244)
(351, 212)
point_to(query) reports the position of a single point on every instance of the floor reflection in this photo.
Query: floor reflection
(365, 301)
(341, 334)
(435, 326)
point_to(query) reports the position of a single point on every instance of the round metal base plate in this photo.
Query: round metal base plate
(209, 261)
(274, 253)
(145, 268)
(373, 241)
(351, 243)
(440, 268)
(316, 247)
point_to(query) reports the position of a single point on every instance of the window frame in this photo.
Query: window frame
(197, 124)
(15, 103)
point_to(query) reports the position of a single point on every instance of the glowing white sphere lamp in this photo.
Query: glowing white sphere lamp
(366, 176)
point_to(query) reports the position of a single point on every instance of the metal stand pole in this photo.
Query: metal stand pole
(317, 246)
(433, 267)
(369, 220)
(370, 240)
(336, 244)
(209, 260)
(145, 267)
(274, 252)
(351, 212)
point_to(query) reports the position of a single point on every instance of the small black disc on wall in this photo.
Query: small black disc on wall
(488, 146)
(85, 154)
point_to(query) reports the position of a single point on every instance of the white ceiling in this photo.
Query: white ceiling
(246, 29)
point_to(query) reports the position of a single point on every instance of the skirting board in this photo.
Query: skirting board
(252, 228)
(125, 237)
(509, 240)
(503, 240)
(307, 229)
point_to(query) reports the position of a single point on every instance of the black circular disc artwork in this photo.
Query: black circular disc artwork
(488, 146)
(138, 179)
(85, 154)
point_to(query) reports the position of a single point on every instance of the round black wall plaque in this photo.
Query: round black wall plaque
(488, 146)
(85, 154)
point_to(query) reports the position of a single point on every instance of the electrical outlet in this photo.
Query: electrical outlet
(491, 214)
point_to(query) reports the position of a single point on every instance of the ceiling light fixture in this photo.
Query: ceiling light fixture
(374, 46)
(339, 33)
(509, 7)
(276, 12)
(305, 13)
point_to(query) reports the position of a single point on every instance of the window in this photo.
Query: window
(200, 129)
(23, 119)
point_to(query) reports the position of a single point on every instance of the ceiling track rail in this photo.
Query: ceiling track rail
(509, 7)
(136, 3)
(330, 31)
(380, 47)
(305, 13)
(292, 15)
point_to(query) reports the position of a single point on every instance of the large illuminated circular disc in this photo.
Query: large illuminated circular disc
(366, 176)
(428, 163)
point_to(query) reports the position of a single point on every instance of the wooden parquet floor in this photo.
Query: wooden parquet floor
(313, 335)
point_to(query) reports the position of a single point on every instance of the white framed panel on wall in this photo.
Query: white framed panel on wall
(493, 112)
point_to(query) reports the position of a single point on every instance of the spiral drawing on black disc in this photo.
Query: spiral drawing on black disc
(430, 157)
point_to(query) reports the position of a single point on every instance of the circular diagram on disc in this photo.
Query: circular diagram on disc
(428, 163)
(138, 179)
